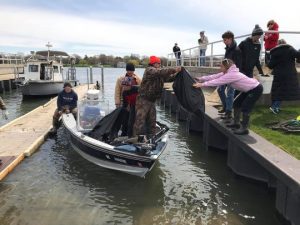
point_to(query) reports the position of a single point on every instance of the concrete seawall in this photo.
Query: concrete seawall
(249, 156)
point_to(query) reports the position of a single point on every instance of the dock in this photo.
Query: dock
(21, 137)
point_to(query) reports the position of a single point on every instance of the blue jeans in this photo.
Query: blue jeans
(226, 99)
(202, 57)
(276, 104)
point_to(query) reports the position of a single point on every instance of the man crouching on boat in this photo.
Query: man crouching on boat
(66, 103)
(150, 90)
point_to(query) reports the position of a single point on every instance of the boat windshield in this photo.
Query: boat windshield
(90, 112)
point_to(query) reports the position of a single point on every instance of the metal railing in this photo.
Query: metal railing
(191, 56)
(6, 58)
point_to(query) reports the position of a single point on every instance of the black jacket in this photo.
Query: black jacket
(176, 50)
(192, 99)
(234, 53)
(250, 57)
(285, 84)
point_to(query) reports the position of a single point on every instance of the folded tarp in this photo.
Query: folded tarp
(192, 99)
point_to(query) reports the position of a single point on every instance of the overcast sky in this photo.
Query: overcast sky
(122, 27)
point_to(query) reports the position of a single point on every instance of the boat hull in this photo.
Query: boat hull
(106, 156)
(41, 88)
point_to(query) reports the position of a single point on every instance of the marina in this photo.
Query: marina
(199, 188)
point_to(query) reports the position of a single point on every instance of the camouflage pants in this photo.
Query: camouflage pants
(145, 118)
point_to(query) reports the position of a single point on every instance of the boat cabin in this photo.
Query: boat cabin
(43, 70)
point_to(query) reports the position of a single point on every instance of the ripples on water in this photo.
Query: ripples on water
(187, 186)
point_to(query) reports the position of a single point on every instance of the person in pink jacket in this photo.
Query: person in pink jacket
(250, 90)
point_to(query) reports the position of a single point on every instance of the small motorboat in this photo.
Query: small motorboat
(95, 136)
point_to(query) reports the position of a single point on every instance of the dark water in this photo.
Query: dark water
(187, 186)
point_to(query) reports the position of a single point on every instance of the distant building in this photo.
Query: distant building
(121, 64)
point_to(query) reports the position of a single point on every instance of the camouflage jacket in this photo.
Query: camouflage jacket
(2, 105)
(153, 82)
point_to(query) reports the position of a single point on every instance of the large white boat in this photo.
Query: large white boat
(44, 74)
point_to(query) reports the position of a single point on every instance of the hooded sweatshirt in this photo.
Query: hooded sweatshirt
(232, 77)
(271, 39)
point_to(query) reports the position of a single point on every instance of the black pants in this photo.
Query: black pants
(246, 100)
(267, 57)
(128, 121)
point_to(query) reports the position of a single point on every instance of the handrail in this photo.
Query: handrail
(7, 58)
(194, 59)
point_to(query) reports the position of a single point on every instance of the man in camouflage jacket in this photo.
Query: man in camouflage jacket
(151, 90)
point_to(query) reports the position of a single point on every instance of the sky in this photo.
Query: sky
(124, 27)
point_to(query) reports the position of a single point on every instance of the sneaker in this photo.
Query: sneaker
(275, 111)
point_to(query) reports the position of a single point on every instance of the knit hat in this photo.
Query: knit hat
(257, 30)
(130, 67)
(67, 84)
(153, 60)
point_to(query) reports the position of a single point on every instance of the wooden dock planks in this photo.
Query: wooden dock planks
(24, 135)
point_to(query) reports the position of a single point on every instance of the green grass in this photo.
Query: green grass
(262, 116)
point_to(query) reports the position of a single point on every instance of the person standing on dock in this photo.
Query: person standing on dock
(250, 89)
(250, 49)
(151, 90)
(234, 53)
(66, 103)
(3, 108)
(202, 42)
(177, 54)
(126, 91)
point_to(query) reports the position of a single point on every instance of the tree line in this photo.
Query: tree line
(111, 61)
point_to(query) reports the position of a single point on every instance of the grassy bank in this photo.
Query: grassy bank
(262, 116)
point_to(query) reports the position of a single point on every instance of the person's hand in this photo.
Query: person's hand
(59, 113)
(5, 114)
(197, 85)
(118, 105)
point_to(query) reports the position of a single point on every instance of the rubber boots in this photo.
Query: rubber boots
(227, 117)
(245, 124)
(235, 124)
(55, 125)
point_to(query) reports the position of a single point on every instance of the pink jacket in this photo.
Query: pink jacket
(233, 78)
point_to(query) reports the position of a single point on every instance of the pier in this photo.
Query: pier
(21, 137)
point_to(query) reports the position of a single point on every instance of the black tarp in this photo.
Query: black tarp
(192, 99)
(108, 126)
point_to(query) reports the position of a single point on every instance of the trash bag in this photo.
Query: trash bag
(192, 99)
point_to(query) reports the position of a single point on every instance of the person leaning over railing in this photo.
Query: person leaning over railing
(285, 86)
(250, 90)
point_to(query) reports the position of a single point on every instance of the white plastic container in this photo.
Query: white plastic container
(266, 83)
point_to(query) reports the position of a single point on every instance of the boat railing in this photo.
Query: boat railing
(215, 51)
